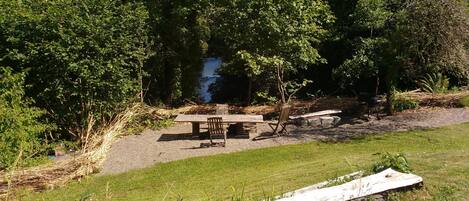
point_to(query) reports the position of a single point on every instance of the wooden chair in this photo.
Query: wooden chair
(216, 129)
(280, 126)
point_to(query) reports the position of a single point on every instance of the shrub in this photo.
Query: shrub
(401, 103)
(19, 126)
(434, 83)
(397, 162)
(85, 56)
(464, 101)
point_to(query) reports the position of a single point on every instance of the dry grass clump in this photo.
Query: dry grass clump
(89, 161)
(346, 104)
(426, 99)
(299, 107)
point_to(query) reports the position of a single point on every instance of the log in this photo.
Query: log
(322, 184)
(316, 114)
(384, 181)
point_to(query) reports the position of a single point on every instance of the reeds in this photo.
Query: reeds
(98, 143)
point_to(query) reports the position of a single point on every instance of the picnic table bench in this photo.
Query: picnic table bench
(239, 119)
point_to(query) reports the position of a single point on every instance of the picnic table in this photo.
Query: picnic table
(197, 119)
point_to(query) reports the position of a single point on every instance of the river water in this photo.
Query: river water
(208, 76)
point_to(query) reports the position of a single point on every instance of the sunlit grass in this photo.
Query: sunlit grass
(440, 156)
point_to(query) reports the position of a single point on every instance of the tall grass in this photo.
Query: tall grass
(97, 144)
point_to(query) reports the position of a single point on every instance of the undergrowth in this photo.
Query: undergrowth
(464, 101)
(401, 102)
(397, 162)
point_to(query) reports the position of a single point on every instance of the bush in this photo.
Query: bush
(19, 126)
(401, 103)
(85, 57)
(464, 101)
(397, 162)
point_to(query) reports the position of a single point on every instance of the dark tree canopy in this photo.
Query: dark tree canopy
(260, 35)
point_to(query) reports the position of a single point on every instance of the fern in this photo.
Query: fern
(434, 83)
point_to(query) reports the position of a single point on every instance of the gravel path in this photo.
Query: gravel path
(351, 128)
(175, 143)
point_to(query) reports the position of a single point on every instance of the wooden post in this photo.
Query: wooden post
(195, 128)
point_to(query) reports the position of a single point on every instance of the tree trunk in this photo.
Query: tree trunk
(141, 82)
(249, 91)
(389, 100)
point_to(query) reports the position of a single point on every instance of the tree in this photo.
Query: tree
(260, 35)
(182, 31)
(370, 18)
(84, 57)
(434, 37)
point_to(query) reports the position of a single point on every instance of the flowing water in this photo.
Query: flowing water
(209, 76)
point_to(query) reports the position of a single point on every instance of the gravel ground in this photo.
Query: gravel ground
(175, 143)
(355, 128)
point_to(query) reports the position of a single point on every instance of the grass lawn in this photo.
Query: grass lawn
(440, 156)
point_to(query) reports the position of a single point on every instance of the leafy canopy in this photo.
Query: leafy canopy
(261, 35)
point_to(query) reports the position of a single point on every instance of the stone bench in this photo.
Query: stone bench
(317, 119)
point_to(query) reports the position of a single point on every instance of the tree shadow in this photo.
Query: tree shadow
(174, 137)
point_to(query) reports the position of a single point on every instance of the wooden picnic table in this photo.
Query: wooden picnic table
(197, 119)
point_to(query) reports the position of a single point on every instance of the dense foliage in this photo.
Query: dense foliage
(84, 57)
(20, 130)
(433, 36)
(259, 36)
(370, 19)
(181, 29)
(397, 42)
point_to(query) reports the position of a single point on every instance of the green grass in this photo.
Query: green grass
(440, 156)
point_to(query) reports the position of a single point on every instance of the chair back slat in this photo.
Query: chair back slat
(215, 126)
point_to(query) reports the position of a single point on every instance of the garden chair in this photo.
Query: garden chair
(216, 129)
(280, 127)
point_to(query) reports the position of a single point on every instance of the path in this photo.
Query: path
(175, 143)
